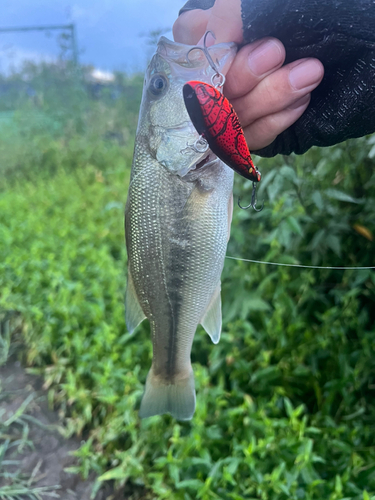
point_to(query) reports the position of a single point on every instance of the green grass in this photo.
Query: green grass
(14, 440)
(285, 401)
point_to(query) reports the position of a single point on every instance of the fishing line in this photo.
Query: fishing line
(299, 265)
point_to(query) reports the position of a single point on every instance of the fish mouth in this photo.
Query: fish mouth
(203, 162)
(207, 162)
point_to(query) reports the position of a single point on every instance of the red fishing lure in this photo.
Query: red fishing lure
(216, 121)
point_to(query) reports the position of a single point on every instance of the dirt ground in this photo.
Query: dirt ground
(49, 454)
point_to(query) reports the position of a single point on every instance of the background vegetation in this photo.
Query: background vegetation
(285, 401)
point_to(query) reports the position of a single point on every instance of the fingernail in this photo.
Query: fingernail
(305, 74)
(265, 57)
(300, 102)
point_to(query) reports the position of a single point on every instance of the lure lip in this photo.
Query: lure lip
(193, 107)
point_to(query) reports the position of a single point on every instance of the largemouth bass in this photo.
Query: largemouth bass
(177, 224)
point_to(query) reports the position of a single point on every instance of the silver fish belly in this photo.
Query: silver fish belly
(177, 224)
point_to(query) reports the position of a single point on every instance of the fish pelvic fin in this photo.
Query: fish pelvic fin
(133, 311)
(211, 320)
(176, 398)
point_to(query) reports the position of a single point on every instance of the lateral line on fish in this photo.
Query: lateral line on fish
(338, 268)
(171, 358)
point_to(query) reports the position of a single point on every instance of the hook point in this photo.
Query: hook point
(253, 201)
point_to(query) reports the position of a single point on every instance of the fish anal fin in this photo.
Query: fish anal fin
(211, 320)
(133, 310)
(176, 397)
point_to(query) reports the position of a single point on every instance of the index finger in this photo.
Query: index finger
(191, 26)
(225, 22)
(223, 19)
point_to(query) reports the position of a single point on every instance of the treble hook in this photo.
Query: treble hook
(253, 200)
(211, 62)
(205, 50)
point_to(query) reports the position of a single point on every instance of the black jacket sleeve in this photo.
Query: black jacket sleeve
(341, 34)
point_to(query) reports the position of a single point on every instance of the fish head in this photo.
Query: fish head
(164, 126)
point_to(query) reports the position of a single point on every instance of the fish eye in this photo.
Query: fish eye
(158, 84)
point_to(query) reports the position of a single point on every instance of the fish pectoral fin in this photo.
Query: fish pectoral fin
(133, 310)
(211, 320)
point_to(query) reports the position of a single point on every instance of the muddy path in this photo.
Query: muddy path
(35, 455)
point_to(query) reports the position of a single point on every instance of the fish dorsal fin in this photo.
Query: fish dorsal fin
(133, 311)
(211, 320)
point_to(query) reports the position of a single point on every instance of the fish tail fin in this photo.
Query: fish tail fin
(161, 396)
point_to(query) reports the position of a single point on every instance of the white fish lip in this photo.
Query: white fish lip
(175, 150)
(208, 161)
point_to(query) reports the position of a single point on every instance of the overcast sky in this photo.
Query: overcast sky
(109, 31)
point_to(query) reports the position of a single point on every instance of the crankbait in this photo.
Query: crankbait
(218, 125)
(216, 121)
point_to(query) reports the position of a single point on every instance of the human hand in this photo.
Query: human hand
(340, 34)
(267, 96)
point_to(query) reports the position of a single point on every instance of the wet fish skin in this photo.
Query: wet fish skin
(177, 223)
